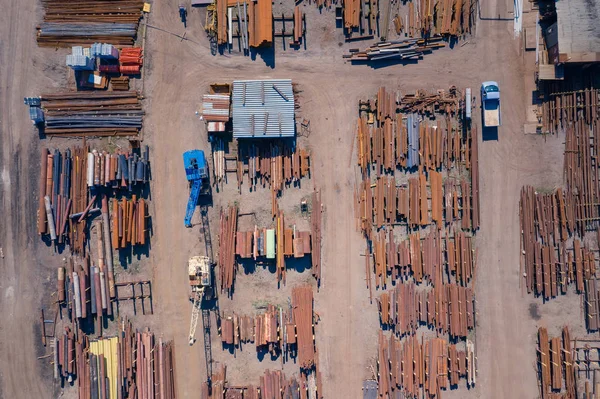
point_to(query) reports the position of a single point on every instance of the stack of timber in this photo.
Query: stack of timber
(135, 364)
(112, 113)
(555, 359)
(449, 309)
(404, 50)
(422, 368)
(272, 385)
(226, 261)
(80, 22)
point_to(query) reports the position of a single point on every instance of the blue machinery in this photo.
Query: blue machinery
(196, 172)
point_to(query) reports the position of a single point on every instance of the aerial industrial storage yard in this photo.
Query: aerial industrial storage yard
(247, 199)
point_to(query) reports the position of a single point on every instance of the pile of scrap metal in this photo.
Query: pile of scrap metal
(68, 23)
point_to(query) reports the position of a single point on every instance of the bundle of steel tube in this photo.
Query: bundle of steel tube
(129, 222)
(302, 304)
(80, 22)
(557, 357)
(120, 170)
(406, 49)
(134, 364)
(226, 261)
(272, 385)
(117, 113)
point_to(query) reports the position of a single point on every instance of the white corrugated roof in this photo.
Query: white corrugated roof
(263, 108)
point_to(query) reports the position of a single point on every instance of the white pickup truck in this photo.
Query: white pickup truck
(490, 104)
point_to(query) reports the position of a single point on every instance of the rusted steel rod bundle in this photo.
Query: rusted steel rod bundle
(134, 364)
(226, 261)
(440, 18)
(121, 170)
(555, 360)
(88, 21)
(264, 330)
(448, 309)
(564, 105)
(302, 305)
(129, 222)
(272, 385)
(416, 367)
(277, 165)
(253, 244)
(116, 113)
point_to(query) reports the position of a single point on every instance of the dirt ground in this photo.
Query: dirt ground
(177, 74)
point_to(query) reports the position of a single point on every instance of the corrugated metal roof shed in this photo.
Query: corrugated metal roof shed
(578, 30)
(263, 109)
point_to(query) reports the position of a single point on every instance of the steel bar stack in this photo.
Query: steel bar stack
(316, 221)
(130, 61)
(302, 304)
(226, 261)
(555, 359)
(403, 50)
(440, 18)
(80, 22)
(409, 368)
(86, 113)
(449, 309)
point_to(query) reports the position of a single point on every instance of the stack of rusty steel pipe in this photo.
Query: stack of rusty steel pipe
(449, 309)
(134, 364)
(80, 22)
(77, 114)
(416, 367)
(226, 260)
(302, 305)
(272, 385)
(316, 220)
(555, 359)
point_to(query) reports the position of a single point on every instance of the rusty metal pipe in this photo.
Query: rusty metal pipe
(42, 206)
(107, 246)
(51, 226)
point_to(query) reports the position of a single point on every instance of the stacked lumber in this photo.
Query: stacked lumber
(134, 364)
(302, 305)
(80, 22)
(226, 261)
(111, 113)
(555, 360)
(413, 369)
(449, 309)
(403, 50)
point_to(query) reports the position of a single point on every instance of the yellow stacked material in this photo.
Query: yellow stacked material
(108, 348)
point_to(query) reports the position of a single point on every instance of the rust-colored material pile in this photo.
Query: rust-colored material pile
(565, 107)
(272, 385)
(130, 61)
(449, 309)
(414, 369)
(302, 304)
(129, 222)
(423, 258)
(132, 365)
(440, 18)
(251, 244)
(264, 329)
(226, 261)
(555, 360)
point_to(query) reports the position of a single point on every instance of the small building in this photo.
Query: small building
(578, 32)
(263, 109)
